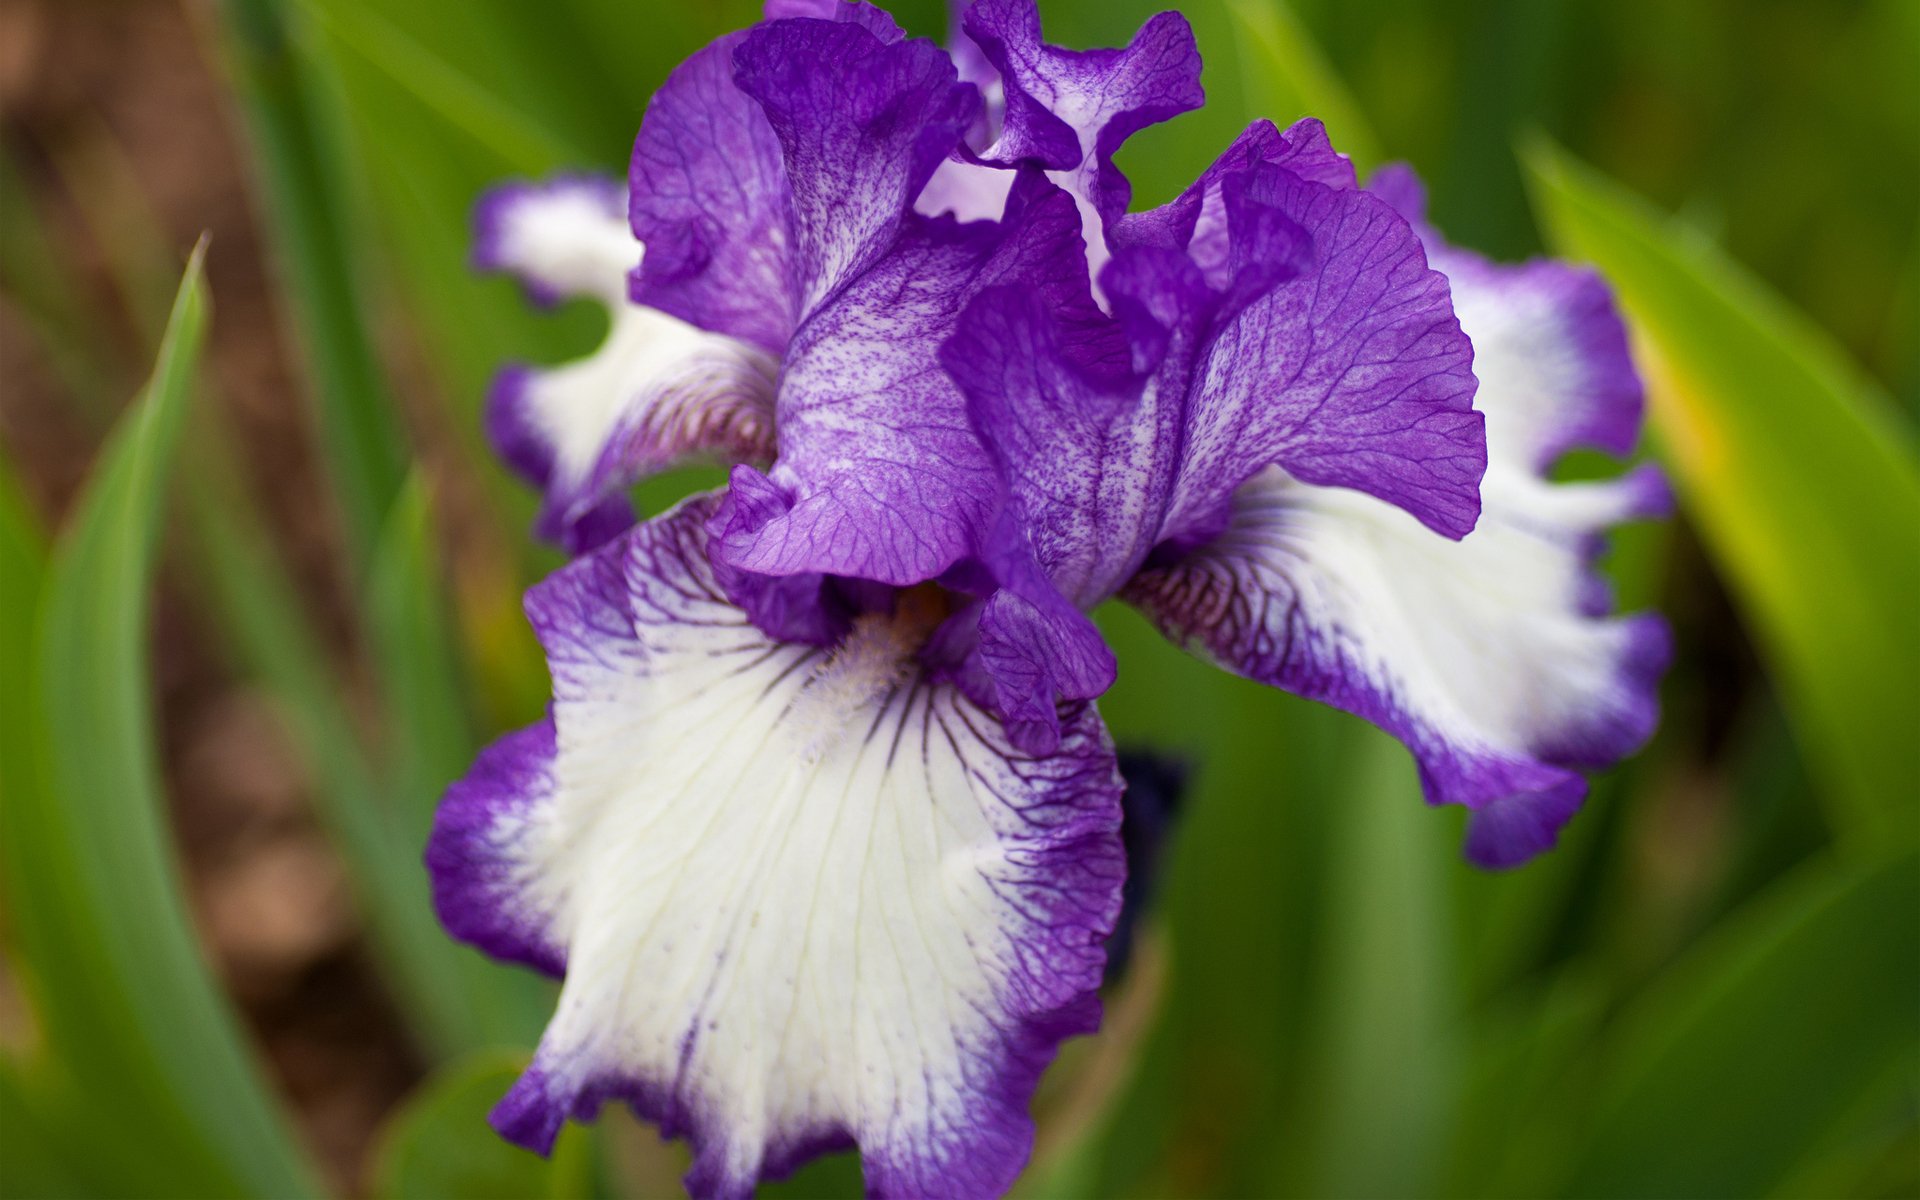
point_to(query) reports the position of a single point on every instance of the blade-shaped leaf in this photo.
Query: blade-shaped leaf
(438, 1145)
(133, 1017)
(430, 742)
(310, 208)
(1384, 1061)
(1742, 1057)
(1802, 483)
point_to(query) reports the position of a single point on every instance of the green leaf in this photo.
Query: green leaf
(133, 1018)
(430, 743)
(1742, 1058)
(310, 208)
(1284, 75)
(430, 729)
(1802, 483)
(23, 561)
(1385, 1060)
(438, 1145)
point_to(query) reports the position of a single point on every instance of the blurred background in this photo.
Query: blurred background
(252, 624)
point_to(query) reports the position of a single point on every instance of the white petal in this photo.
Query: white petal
(805, 896)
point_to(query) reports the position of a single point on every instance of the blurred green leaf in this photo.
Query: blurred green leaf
(1384, 1062)
(1525, 1054)
(1243, 882)
(465, 106)
(1740, 1059)
(23, 562)
(134, 1020)
(430, 742)
(1801, 482)
(1284, 75)
(438, 1146)
(310, 210)
(430, 738)
(36, 1160)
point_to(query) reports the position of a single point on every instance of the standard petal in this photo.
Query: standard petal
(861, 123)
(1549, 343)
(1352, 372)
(807, 899)
(708, 197)
(1071, 111)
(656, 391)
(883, 476)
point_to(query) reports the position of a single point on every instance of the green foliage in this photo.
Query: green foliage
(137, 1033)
(311, 209)
(1708, 989)
(428, 1150)
(1771, 436)
(1780, 1025)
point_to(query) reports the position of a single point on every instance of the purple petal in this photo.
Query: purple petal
(862, 123)
(880, 471)
(1196, 220)
(476, 892)
(807, 899)
(1494, 657)
(1071, 111)
(1354, 373)
(708, 197)
(1551, 333)
(1087, 451)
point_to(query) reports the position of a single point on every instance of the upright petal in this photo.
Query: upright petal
(1492, 657)
(708, 197)
(861, 123)
(804, 897)
(1071, 111)
(656, 391)
(883, 475)
(1549, 338)
(1354, 372)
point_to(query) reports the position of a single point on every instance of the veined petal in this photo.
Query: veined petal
(655, 392)
(861, 122)
(1351, 370)
(1492, 657)
(882, 473)
(805, 897)
(1549, 341)
(708, 197)
(1480, 654)
(1071, 111)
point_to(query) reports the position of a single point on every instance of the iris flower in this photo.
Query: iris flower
(822, 830)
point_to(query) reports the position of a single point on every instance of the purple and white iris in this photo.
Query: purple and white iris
(822, 830)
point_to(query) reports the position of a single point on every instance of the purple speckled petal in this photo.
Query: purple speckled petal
(1086, 447)
(807, 898)
(1494, 657)
(708, 197)
(883, 476)
(657, 391)
(1196, 220)
(1070, 111)
(1353, 372)
(861, 123)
